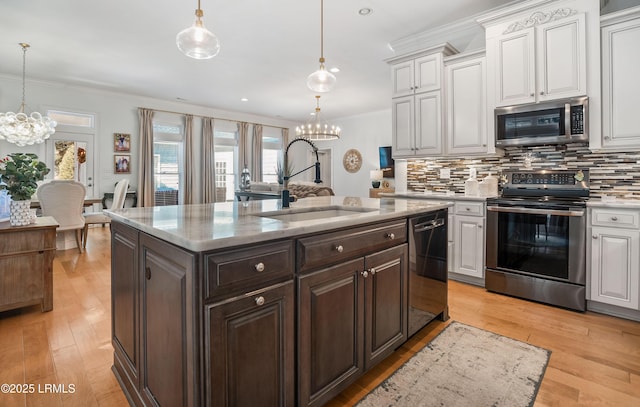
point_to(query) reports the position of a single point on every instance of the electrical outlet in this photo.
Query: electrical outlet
(445, 173)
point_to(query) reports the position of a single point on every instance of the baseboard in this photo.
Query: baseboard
(613, 310)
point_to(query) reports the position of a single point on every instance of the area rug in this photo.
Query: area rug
(465, 366)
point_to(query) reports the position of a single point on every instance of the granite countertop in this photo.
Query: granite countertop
(436, 195)
(617, 203)
(204, 227)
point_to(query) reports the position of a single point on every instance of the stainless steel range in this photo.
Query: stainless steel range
(536, 247)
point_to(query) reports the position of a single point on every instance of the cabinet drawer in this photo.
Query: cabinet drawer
(330, 248)
(615, 218)
(469, 208)
(242, 269)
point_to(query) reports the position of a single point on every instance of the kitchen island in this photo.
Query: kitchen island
(247, 303)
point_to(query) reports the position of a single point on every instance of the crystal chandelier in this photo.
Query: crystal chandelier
(196, 41)
(316, 130)
(321, 80)
(23, 130)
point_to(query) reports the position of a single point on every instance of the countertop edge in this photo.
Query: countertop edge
(281, 230)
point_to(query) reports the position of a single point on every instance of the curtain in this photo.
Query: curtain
(208, 162)
(189, 162)
(146, 187)
(256, 155)
(243, 129)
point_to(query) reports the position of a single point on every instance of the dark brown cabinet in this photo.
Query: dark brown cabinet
(169, 344)
(125, 305)
(330, 334)
(154, 321)
(351, 316)
(386, 309)
(250, 349)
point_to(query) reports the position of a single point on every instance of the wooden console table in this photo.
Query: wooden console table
(26, 264)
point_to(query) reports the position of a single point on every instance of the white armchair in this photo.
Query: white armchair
(64, 200)
(119, 196)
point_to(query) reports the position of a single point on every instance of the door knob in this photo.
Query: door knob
(260, 300)
(339, 248)
(365, 274)
(259, 267)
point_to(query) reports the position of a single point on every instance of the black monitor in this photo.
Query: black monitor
(387, 165)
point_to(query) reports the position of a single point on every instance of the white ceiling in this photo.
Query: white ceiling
(267, 48)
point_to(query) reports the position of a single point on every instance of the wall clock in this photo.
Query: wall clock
(352, 160)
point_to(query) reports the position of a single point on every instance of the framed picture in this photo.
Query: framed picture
(121, 142)
(122, 164)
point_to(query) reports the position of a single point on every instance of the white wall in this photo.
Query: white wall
(117, 112)
(365, 132)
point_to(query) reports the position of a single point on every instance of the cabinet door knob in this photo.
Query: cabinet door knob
(260, 267)
(372, 271)
(607, 137)
(594, 236)
(614, 218)
(147, 273)
(467, 209)
(542, 93)
(532, 95)
(365, 274)
(479, 226)
(339, 248)
(390, 236)
(260, 300)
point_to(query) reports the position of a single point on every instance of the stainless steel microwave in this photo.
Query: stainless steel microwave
(555, 122)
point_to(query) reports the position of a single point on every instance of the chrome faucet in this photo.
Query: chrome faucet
(286, 198)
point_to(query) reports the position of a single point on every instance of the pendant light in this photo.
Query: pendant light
(316, 129)
(23, 130)
(196, 41)
(321, 80)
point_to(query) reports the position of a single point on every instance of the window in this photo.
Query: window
(167, 163)
(272, 152)
(225, 157)
(72, 118)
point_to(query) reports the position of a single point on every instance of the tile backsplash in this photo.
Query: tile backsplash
(616, 174)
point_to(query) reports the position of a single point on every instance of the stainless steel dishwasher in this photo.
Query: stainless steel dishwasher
(427, 269)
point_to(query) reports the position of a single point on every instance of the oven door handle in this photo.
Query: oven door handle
(422, 227)
(511, 209)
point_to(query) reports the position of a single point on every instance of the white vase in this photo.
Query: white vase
(20, 213)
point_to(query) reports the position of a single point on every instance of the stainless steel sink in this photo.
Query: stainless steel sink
(303, 214)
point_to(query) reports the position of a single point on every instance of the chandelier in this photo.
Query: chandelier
(23, 130)
(321, 80)
(316, 130)
(196, 41)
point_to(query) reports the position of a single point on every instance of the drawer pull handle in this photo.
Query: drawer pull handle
(614, 218)
(372, 270)
(390, 236)
(339, 248)
(259, 267)
(147, 273)
(260, 300)
(365, 274)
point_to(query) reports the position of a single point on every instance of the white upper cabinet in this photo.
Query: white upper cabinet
(620, 83)
(543, 61)
(466, 106)
(416, 104)
(416, 76)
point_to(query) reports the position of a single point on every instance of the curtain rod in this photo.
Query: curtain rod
(209, 117)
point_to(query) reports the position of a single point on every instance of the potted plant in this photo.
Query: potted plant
(20, 173)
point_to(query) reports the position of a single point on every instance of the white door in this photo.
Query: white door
(428, 124)
(402, 110)
(515, 64)
(72, 156)
(469, 246)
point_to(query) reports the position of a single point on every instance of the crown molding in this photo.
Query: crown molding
(620, 16)
(507, 12)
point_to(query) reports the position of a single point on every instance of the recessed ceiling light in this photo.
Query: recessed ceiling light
(335, 69)
(365, 11)
(244, 100)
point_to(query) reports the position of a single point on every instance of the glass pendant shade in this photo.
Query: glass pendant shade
(321, 80)
(196, 41)
(22, 129)
(316, 129)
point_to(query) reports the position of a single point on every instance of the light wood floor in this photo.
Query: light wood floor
(595, 358)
